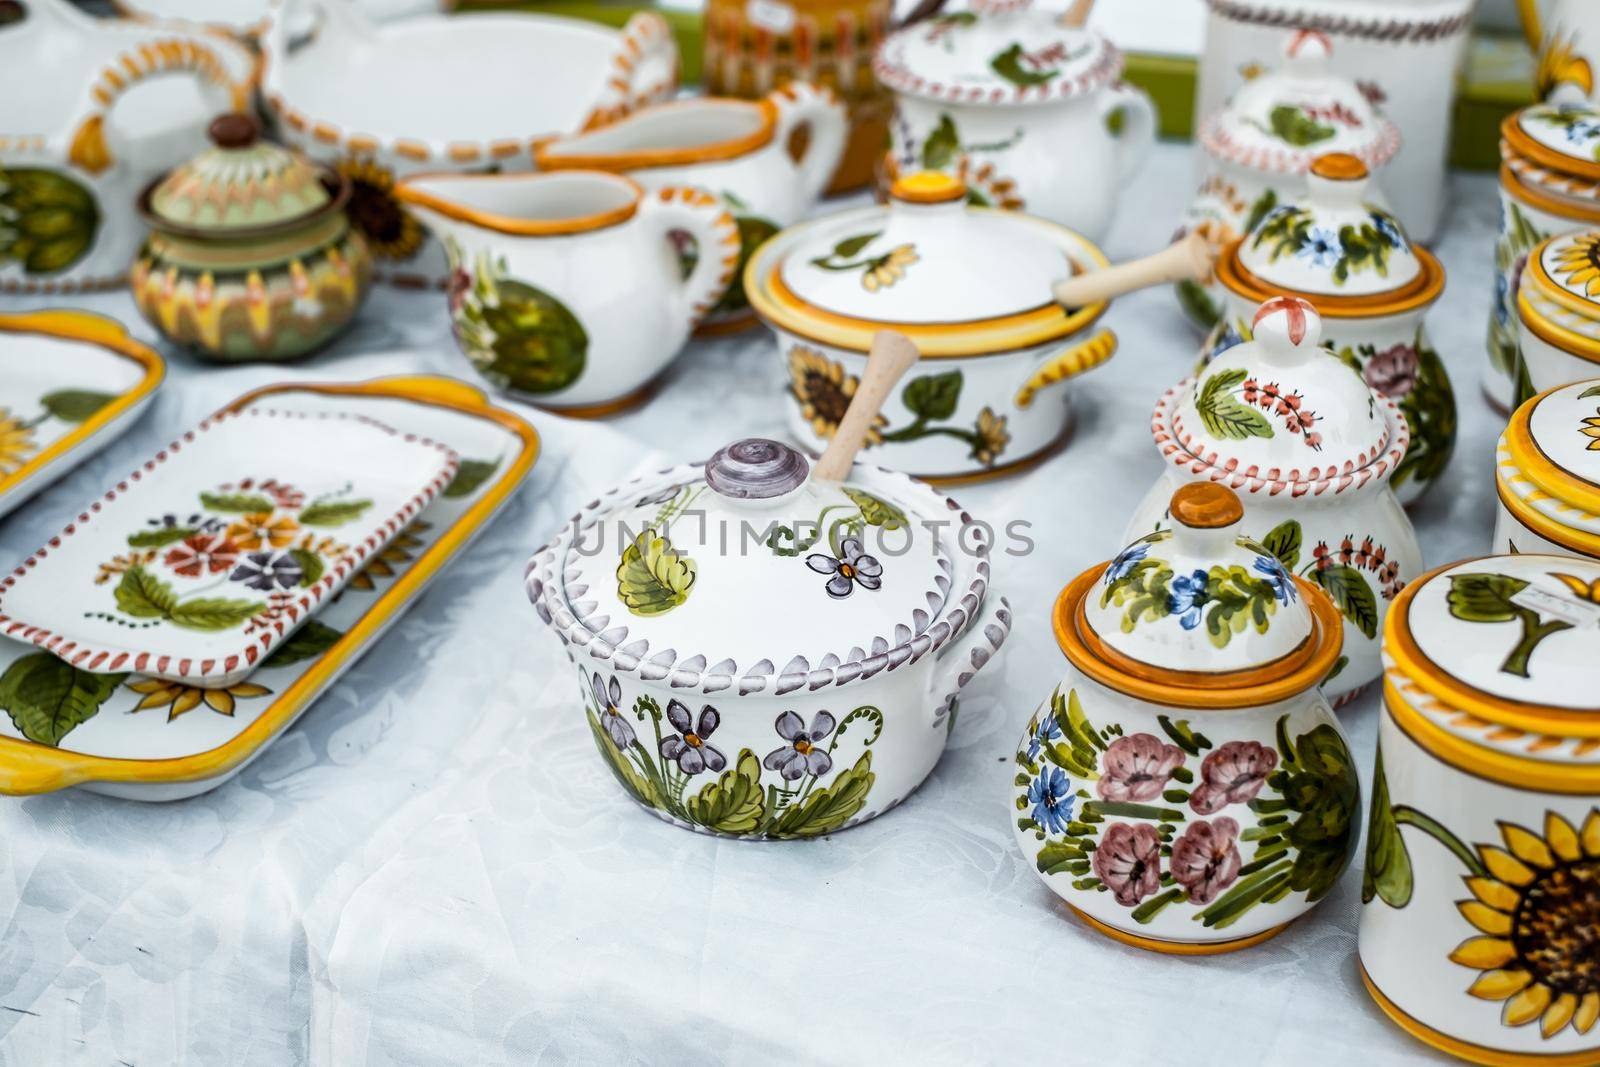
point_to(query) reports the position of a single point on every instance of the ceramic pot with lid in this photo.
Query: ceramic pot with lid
(1558, 313)
(251, 255)
(1329, 244)
(1015, 102)
(1186, 788)
(1259, 146)
(1310, 447)
(1482, 875)
(1547, 474)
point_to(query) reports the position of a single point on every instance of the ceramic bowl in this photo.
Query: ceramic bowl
(1483, 843)
(761, 655)
(1558, 314)
(1547, 474)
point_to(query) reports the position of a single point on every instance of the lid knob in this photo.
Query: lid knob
(928, 187)
(756, 469)
(1204, 515)
(236, 130)
(1307, 53)
(1338, 180)
(1288, 329)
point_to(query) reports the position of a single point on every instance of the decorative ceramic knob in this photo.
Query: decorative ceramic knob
(756, 469)
(1307, 54)
(1338, 180)
(929, 187)
(1287, 329)
(1204, 515)
(236, 130)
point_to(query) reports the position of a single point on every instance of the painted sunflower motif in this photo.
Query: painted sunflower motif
(883, 271)
(16, 442)
(1579, 263)
(1591, 430)
(990, 437)
(824, 391)
(395, 555)
(179, 699)
(1538, 910)
(391, 231)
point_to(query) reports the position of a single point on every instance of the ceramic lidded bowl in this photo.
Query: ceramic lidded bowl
(1186, 787)
(1480, 927)
(251, 255)
(1016, 102)
(760, 654)
(1372, 288)
(1547, 474)
(971, 287)
(1262, 142)
(1310, 447)
(1558, 314)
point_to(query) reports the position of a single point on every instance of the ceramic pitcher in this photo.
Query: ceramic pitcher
(566, 289)
(1565, 34)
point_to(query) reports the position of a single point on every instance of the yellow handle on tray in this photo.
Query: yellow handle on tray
(1086, 356)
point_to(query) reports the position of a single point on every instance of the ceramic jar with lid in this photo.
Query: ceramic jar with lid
(1310, 447)
(1186, 787)
(1482, 883)
(1260, 145)
(971, 287)
(1558, 314)
(251, 255)
(760, 653)
(1016, 103)
(1372, 288)
(1547, 475)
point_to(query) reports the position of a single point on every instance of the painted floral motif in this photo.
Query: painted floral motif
(1500, 598)
(180, 699)
(17, 441)
(1590, 426)
(1233, 406)
(799, 755)
(1578, 265)
(851, 568)
(944, 150)
(1289, 230)
(202, 553)
(607, 702)
(877, 271)
(1412, 375)
(824, 391)
(48, 221)
(1518, 237)
(1308, 125)
(932, 401)
(386, 564)
(392, 232)
(844, 526)
(690, 748)
(1109, 810)
(1342, 572)
(1026, 69)
(1577, 124)
(268, 571)
(653, 576)
(1225, 599)
(519, 337)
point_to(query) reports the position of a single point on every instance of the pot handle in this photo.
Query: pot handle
(644, 69)
(691, 210)
(1074, 361)
(818, 112)
(1138, 134)
(962, 658)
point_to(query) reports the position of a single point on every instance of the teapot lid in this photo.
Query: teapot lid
(1550, 452)
(1564, 137)
(241, 183)
(1002, 52)
(1284, 119)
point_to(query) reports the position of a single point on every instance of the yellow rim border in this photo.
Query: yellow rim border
(1579, 541)
(1551, 333)
(1540, 200)
(1524, 145)
(1466, 1050)
(104, 333)
(28, 768)
(1427, 288)
(1537, 466)
(1553, 290)
(648, 158)
(1177, 948)
(405, 191)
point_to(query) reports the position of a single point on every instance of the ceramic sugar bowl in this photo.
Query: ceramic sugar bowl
(1482, 882)
(251, 255)
(1186, 787)
(1310, 447)
(1372, 288)
(1261, 144)
(1547, 474)
(1015, 102)
(1558, 314)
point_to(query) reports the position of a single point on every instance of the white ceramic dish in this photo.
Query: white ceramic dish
(201, 562)
(144, 739)
(70, 382)
(246, 18)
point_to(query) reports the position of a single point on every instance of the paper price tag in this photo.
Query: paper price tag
(1580, 614)
(771, 15)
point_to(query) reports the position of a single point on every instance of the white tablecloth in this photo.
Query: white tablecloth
(434, 866)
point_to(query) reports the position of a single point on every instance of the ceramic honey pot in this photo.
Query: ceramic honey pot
(1481, 888)
(1186, 787)
(1547, 474)
(1372, 288)
(566, 288)
(251, 255)
(1558, 314)
(1259, 146)
(1310, 447)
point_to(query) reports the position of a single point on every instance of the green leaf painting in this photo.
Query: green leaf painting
(942, 146)
(1317, 778)
(470, 474)
(733, 803)
(1387, 874)
(143, 595)
(876, 511)
(237, 503)
(48, 221)
(211, 614)
(310, 640)
(1224, 414)
(1352, 594)
(1295, 126)
(333, 512)
(934, 396)
(652, 576)
(159, 537)
(523, 339)
(1284, 541)
(1014, 66)
(311, 566)
(75, 405)
(827, 810)
(1487, 598)
(47, 698)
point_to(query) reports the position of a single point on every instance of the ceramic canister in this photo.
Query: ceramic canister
(1259, 146)
(1372, 287)
(1558, 313)
(1480, 927)
(1310, 447)
(1186, 787)
(1547, 475)
(764, 654)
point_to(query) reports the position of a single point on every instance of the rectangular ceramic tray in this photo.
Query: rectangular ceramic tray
(146, 739)
(70, 382)
(202, 561)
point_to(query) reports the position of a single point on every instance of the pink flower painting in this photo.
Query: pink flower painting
(1205, 859)
(1233, 774)
(1137, 768)
(1128, 861)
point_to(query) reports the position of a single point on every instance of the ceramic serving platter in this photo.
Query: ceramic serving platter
(70, 382)
(143, 738)
(202, 561)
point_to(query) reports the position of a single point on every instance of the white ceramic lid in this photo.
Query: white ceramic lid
(1565, 270)
(1548, 458)
(1563, 137)
(1001, 52)
(1282, 120)
(1332, 241)
(1199, 596)
(240, 183)
(1281, 402)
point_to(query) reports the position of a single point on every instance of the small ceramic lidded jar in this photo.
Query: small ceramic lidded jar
(1480, 925)
(1310, 447)
(1186, 787)
(1558, 312)
(1372, 287)
(1261, 144)
(1547, 474)
(251, 255)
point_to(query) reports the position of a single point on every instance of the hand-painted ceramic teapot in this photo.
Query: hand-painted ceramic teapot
(251, 255)
(1186, 787)
(1310, 447)
(1329, 244)
(1547, 474)
(1015, 102)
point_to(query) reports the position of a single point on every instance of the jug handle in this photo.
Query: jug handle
(644, 69)
(1532, 23)
(88, 149)
(966, 655)
(1069, 364)
(1138, 134)
(696, 212)
(802, 105)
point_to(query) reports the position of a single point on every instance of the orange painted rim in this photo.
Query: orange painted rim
(928, 187)
(645, 158)
(1552, 333)
(1537, 466)
(605, 408)
(1546, 202)
(1177, 948)
(508, 224)
(1577, 541)
(1419, 293)
(1528, 148)
(1553, 290)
